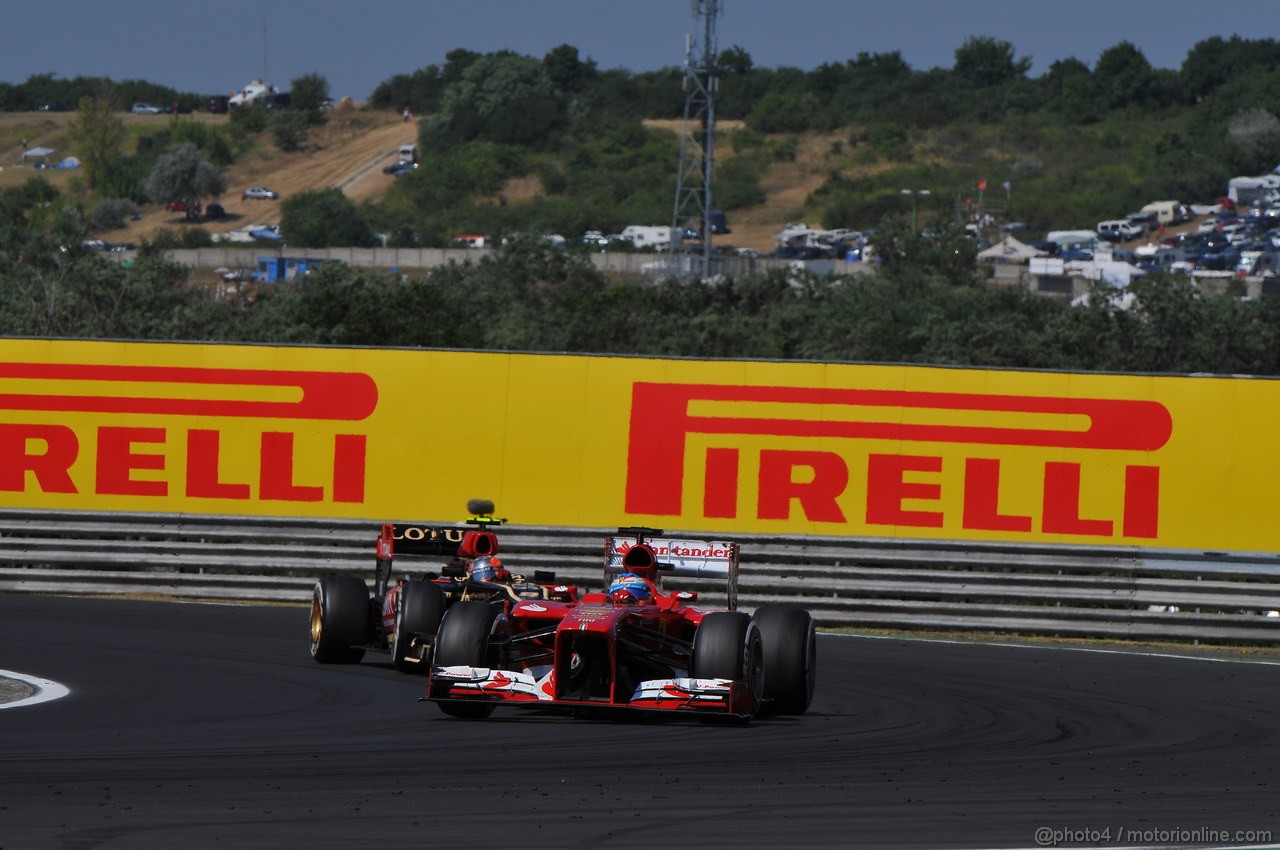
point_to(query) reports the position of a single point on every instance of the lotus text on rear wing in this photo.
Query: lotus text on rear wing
(149, 435)
(977, 443)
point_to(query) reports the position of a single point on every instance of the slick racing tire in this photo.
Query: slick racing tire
(463, 641)
(418, 611)
(727, 645)
(790, 658)
(339, 620)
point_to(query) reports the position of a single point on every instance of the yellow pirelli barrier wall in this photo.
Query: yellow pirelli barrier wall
(746, 446)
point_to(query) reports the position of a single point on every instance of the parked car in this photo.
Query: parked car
(146, 109)
(100, 245)
(400, 168)
(1119, 230)
(1221, 259)
(1147, 220)
(215, 212)
(260, 193)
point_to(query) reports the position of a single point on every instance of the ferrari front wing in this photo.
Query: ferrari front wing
(724, 697)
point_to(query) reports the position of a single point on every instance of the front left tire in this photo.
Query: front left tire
(340, 619)
(790, 658)
(464, 641)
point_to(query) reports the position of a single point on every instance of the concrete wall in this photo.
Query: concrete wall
(637, 265)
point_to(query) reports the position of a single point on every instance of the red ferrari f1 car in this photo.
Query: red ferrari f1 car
(634, 647)
(402, 617)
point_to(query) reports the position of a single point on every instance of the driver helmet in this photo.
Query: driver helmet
(629, 588)
(488, 568)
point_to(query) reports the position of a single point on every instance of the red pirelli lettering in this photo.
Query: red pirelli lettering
(661, 422)
(117, 460)
(337, 396)
(827, 475)
(276, 480)
(204, 452)
(45, 451)
(888, 487)
(982, 498)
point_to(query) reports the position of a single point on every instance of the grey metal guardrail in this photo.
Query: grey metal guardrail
(1075, 591)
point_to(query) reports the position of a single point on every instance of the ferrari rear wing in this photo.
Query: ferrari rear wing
(676, 557)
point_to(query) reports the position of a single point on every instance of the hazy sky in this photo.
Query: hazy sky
(218, 46)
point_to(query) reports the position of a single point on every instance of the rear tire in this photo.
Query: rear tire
(340, 619)
(727, 645)
(790, 658)
(418, 611)
(463, 641)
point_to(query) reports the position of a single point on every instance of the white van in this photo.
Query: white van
(643, 236)
(1168, 212)
(1119, 230)
(1074, 240)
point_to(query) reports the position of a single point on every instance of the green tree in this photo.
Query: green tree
(1256, 132)
(112, 213)
(566, 70)
(1216, 62)
(289, 129)
(985, 61)
(309, 96)
(1123, 76)
(97, 137)
(944, 254)
(1071, 92)
(502, 98)
(184, 174)
(735, 61)
(323, 218)
(213, 140)
(777, 112)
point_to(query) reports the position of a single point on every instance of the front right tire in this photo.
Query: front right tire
(727, 645)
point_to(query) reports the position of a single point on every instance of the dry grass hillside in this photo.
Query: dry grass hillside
(349, 153)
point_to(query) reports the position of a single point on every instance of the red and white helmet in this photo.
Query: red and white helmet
(628, 589)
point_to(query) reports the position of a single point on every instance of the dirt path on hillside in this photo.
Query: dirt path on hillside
(347, 153)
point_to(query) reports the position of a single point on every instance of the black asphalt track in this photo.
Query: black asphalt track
(193, 726)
